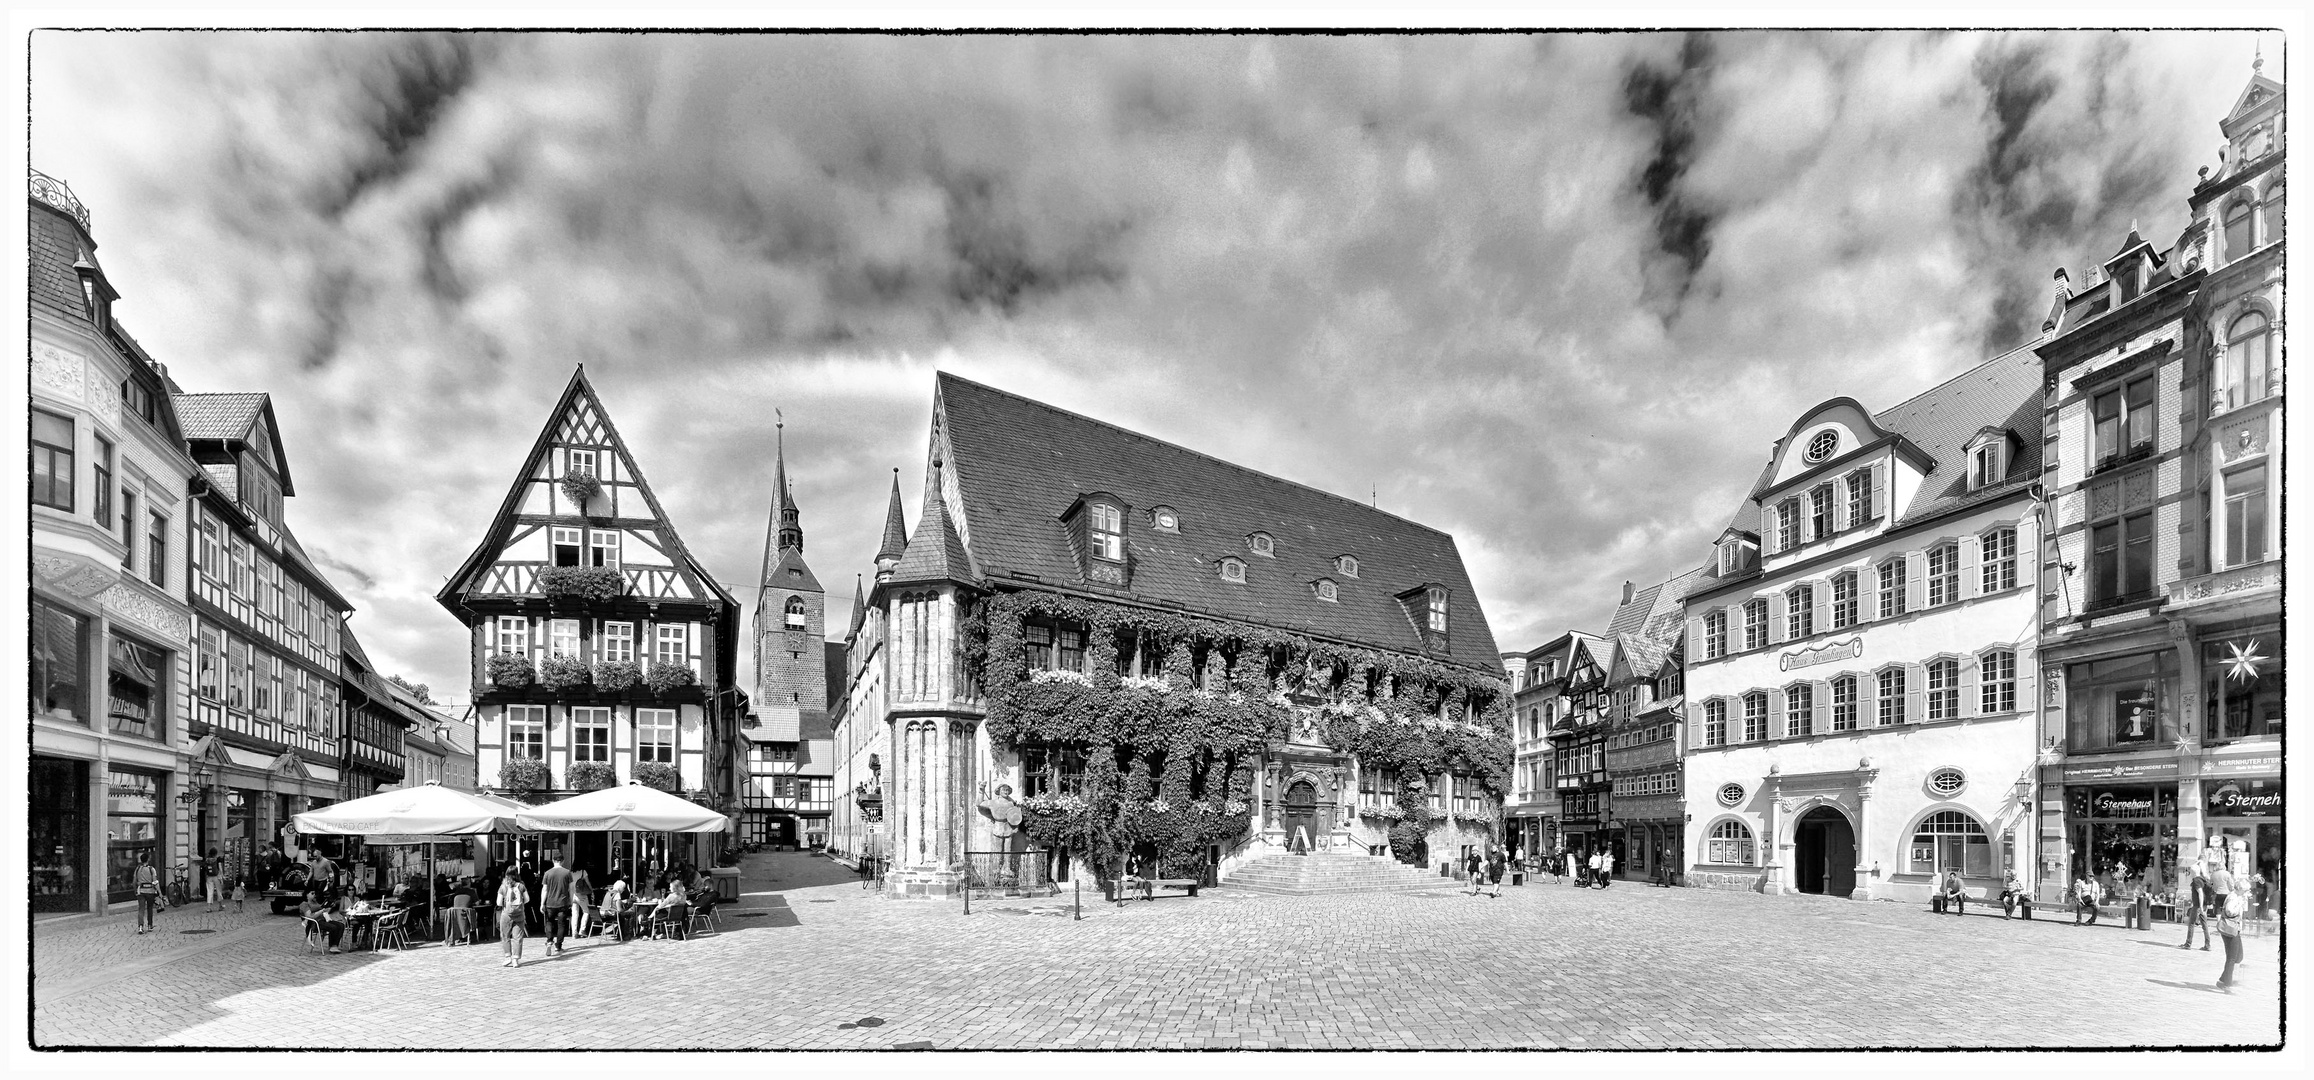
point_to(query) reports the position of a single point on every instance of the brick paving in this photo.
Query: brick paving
(810, 961)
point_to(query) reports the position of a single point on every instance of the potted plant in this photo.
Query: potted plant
(659, 774)
(616, 676)
(666, 677)
(591, 775)
(524, 774)
(579, 487)
(508, 671)
(580, 583)
(563, 672)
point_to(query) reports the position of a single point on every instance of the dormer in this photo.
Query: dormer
(2132, 268)
(1325, 589)
(1736, 552)
(1429, 607)
(1096, 525)
(1990, 454)
(1833, 474)
(1262, 544)
(1164, 519)
(1346, 565)
(1231, 568)
(96, 293)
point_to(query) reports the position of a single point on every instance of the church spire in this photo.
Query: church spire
(783, 500)
(895, 532)
(859, 610)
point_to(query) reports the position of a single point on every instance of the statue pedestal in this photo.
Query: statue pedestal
(924, 883)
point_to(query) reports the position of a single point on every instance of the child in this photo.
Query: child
(240, 894)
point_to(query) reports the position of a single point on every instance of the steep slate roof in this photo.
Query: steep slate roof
(895, 524)
(55, 244)
(792, 559)
(935, 553)
(2004, 392)
(218, 416)
(1654, 623)
(833, 657)
(1020, 464)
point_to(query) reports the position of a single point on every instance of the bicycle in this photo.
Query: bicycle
(180, 892)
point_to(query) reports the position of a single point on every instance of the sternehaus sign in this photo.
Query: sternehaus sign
(1822, 654)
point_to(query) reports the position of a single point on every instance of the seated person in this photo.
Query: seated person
(673, 908)
(2012, 894)
(1954, 897)
(332, 923)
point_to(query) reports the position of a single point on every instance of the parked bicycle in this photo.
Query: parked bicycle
(180, 886)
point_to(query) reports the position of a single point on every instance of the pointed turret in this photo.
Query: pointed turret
(935, 552)
(859, 610)
(895, 533)
(783, 499)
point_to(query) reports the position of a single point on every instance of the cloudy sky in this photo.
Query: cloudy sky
(1555, 295)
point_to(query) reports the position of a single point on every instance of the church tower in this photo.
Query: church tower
(791, 678)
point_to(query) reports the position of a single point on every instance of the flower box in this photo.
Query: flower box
(659, 774)
(580, 583)
(509, 672)
(591, 775)
(524, 774)
(618, 676)
(563, 672)
(579, 487)
(665, 678)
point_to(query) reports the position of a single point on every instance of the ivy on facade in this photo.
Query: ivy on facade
(1169, 757)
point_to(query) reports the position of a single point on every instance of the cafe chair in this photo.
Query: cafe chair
(316, 939)
(703, 914)
(668, 924)
(392, 929)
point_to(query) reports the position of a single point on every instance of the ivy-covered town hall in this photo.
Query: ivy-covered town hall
(1134, 659)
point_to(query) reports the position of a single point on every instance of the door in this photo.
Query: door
(591, 852)
(58, 848)
(1825, 853)
(1300, 818)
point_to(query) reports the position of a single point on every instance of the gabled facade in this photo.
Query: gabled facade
(1578, 737)
(2161, 623)
(111, 776)
(1859, 696)
(599, 644)
(1645, 730)
(1079, 556)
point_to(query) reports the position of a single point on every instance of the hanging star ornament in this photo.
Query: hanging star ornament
(2243, 660)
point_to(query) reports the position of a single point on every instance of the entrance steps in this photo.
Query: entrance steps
(1327, 872)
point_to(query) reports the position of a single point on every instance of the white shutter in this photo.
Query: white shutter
(1972, 561)
(1915, 693)
(1820, 698)
(1775, 715)
(1880, 493)
(1971, 683)
(1915, 581)
(1777, 610)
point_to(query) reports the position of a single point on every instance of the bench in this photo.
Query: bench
(1986, 901)
(1148, 887)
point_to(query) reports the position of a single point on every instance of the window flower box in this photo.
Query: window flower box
(563, 672)
(591, 775)
(580, 487)
(524, 774)
(659, 774)
(618, 676)
(508, 671)
(666, 678)
(580, 583)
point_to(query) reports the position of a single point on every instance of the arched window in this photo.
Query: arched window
(1951, 840)
(795, 614)
(2248, 359)
(1730, 844)
(2237, 229)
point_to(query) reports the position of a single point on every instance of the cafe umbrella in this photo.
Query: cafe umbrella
(412, 816)
(633, 807)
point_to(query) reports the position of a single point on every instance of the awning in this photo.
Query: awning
(633, 807)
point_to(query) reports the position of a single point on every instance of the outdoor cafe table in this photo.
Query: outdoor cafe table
(362, 922)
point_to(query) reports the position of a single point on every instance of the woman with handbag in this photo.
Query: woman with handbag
(511, 924)
(2231, 903)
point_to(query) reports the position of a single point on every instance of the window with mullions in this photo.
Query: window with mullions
(2124, 418)
(582, 461)
(796, 617)
(53, 464)
(100, 500)
(1050, 770)
(1943, 574)
(1755, 624)
(1892, 588)
(513, 636)
(2237, 229)
(2122, 701)
(1730, 844)
(603, 549)
(2248, 363)
(1943, 689)
(1891, 701)
(673, 645)
(1715, 723)
(1053, 648)
(210, 663)
(1844, 703)
(1714, 635)
(2121, 560)
(2242, 687)
(1859, 497)
(567, 545)
(1997, 682)
(2245, 517)
(1107, 533)
(590, 734)
(1820, 511)
(1437, 605)
(2000, 560)
(618, 642)
(1799, 710)
(1844, 600)
(1787, 524)
(526, 732)
(1755, 717)
(562, 637)
(1800, 612)
(655, 735)
(1951, 840)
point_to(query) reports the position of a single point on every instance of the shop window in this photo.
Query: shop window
(133, 686)
(2242, 687)
(2123, 701)
(2125, 837)
(59, 662)
(1730, 844)
(1951, 840)
(133, 821)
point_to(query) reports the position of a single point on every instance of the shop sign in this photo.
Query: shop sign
(2262, 764)
(2152, 801)
(2244, 798)
(2121, 804)
(1822, 654)
(2121, 770)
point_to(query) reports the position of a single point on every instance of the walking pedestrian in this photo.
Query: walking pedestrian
(241, 894)
(554, 904)
(148, 883)
(1558, 861)
(1473, 867)
(530, 888)
(2233, 901)
(1494, 869)
(512, 897)
(1606, 866)
(2193, 898)
(582, 904)
(1591, 869)
(212, 883)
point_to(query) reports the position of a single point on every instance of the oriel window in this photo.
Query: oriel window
(52, 460)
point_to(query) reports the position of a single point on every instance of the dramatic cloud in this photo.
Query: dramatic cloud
(1555, 295)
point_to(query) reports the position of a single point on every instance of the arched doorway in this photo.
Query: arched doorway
(1824, 847)
(1299, 816)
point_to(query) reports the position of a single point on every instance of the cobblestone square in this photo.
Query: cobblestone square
(810, 961)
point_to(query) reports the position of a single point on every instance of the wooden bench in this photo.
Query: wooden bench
(1147, 887)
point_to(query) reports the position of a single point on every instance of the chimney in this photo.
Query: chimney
(1627, 588)
(2064, 285)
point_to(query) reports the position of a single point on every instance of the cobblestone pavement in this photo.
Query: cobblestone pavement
(810, 961)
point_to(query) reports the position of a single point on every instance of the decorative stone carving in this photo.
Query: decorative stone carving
(2137, 490)
(130, 602)
(2104, 500)
(2243, 440)
(2053, 686)
(104, 401)
(77, 577)
(59, 371)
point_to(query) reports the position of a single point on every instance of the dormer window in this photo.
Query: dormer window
(2127, 280)
(1346, 565)
(1436, 601)
(1325, 589)
(1233, 570)
(1260, 544)
(1988, 464)
(1734, 554)
(1164, 519)
(1106, 532)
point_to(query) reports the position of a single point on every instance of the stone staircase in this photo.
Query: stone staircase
(1325, 873)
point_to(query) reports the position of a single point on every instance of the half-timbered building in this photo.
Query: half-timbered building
(602, 651)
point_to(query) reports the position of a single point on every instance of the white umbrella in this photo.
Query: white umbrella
(412, 816)
(632, 807)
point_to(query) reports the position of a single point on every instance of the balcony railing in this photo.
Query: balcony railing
(54, 192)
